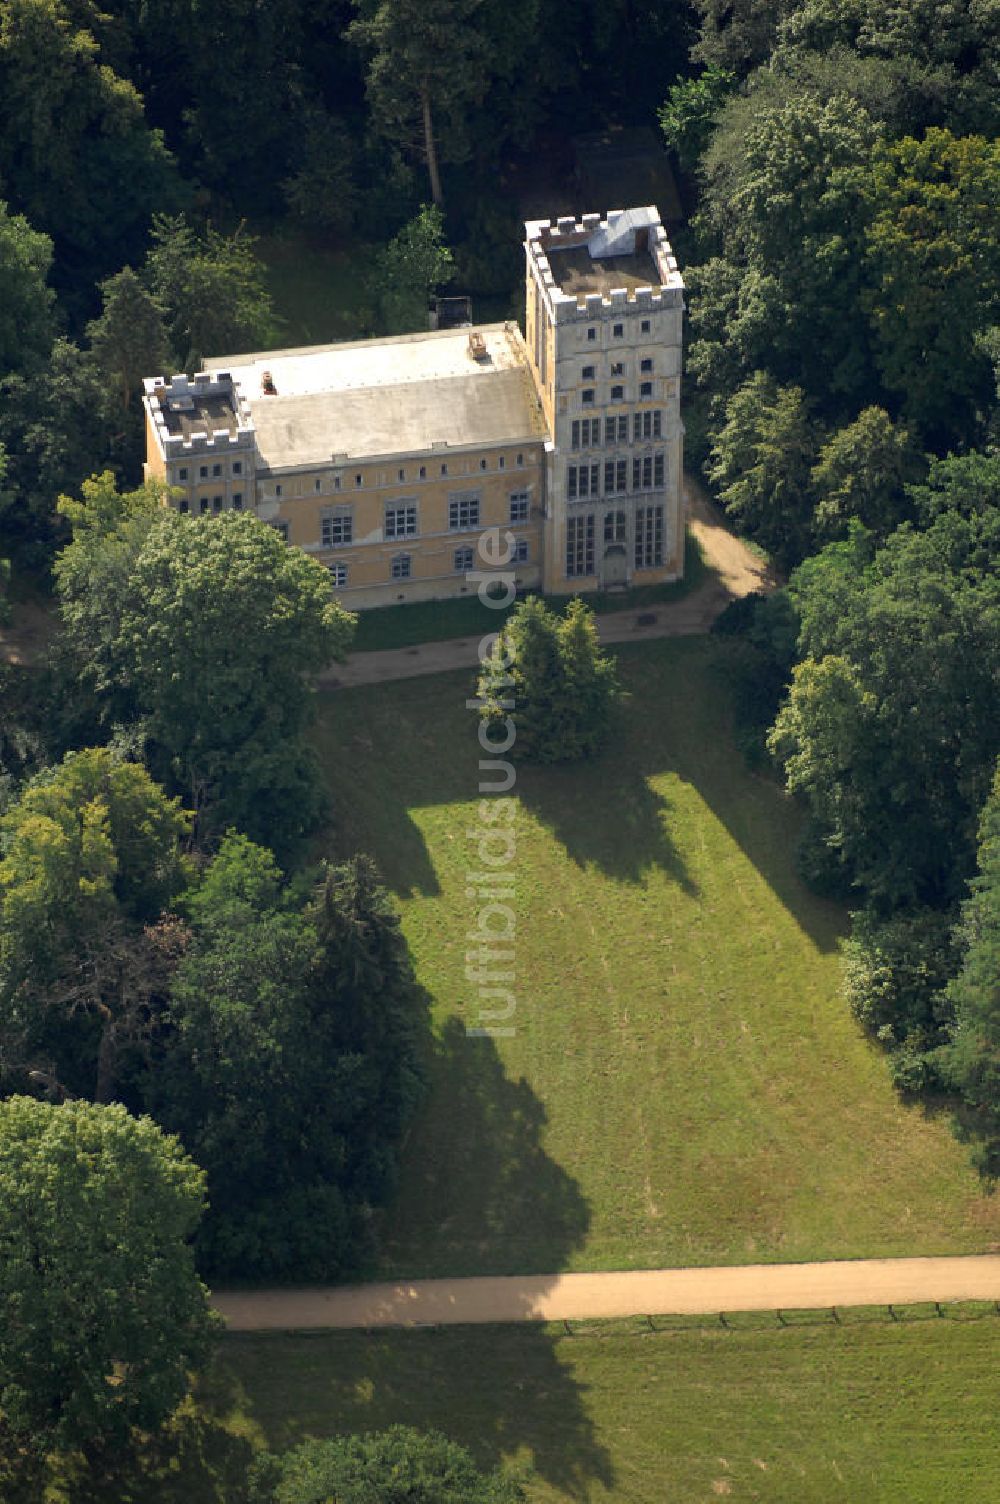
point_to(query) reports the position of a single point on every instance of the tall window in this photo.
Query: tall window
(580, 546)
(647, 425)
(519, 505)
(615, 475)
(642, 473)
(338, 575)
(237, 501)
(582, 480)
(658, 470)
(463, 510)
(464, 558)
(401, 520)
(648, 537)
(336, 527)
(401, 566)
(521, 551)
(614, 527)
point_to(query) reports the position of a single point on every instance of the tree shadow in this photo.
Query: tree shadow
(486, 1199)
(606, 813)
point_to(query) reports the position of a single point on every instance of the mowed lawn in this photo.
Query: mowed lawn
(868, 1412)
(684, 1085)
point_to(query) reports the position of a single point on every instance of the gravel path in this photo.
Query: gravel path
(643, 1292)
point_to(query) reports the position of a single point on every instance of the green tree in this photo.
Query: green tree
(211, 630)
(546, 691)
(428, 63)
(92, 857)
(76, 154)
(691, 111)
(933, 268)
(105, 1316)
(397, 1466)
(786, 174)
(128, 341)
(889, 731)
(972, 1061)
(210, 288)
(862, 472)
(322, 190)
(412, 267)
(291, 1068)
(761, 463)
(26, 300)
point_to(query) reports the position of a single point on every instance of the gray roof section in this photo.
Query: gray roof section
(405, 395)
(401, 418)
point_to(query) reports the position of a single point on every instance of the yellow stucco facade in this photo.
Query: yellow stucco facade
(389, 460)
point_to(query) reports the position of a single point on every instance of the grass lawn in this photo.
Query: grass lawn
(868, 1412)
(435, 621)
(317, 289)
(684, 1085)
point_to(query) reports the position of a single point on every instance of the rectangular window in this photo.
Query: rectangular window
(401, 567)
(338, 575)
(591, 335)
(519, 506)
(463, 560)
(587, 395)
(317, 484)
(237, 467)
(203, 505)
(423, 472)
(463, 510)
(618, 368)
(216, 470)
(521, 551)
(401, 520)
(520, 460)
(588, 373)
(623, 429)
(610, 430)
(617, 393)
(402, 474)
(182, 473)
(618, 330)
(657, 419)
(615, 473)
(648, 537)
(277, 490)
(614, 527)
(482, 464)
(237, 501)
(337, 527)
(580, 546)
(575, 442)
(203, 472)
(281, 528)
(646, 365)
(501, 463)
(584, 481)
(357, 480)
(571, 474)
(642, 473)
(645, 326)
(658, 470)
(444, 469)
(183, 505)
(645, 389)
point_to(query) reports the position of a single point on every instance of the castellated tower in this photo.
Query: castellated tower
(604, 310)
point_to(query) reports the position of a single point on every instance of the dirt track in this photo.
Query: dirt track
(734, 571)
(644, 1292)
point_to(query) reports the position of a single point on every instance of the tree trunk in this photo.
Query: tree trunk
(430, 149)
(106, 1063)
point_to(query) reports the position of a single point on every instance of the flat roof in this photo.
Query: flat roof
(578, 272)
(401, 395)
(187, 412)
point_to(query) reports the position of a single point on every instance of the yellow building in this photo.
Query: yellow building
(389, 459)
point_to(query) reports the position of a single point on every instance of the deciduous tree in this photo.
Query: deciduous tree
(104, 1315)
